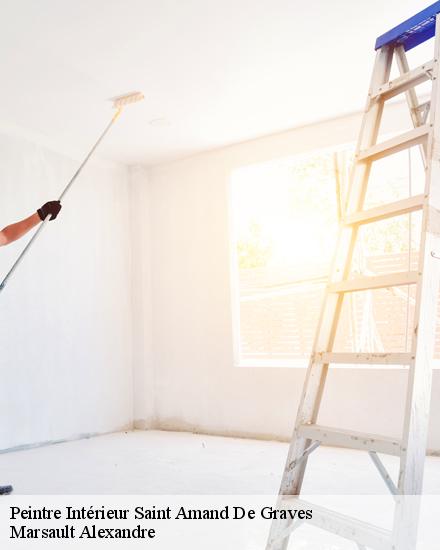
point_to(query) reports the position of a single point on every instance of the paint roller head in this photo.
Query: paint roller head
(121, 101)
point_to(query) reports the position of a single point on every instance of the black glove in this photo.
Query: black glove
(52, 207)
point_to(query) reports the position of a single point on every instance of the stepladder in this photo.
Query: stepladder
(424, 134)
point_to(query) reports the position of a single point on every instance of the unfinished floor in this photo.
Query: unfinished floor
(156, 462)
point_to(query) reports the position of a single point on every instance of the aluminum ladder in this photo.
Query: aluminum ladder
(308, 433)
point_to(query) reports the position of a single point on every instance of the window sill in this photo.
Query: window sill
(303, 364)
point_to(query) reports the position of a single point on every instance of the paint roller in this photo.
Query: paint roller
(119, 102)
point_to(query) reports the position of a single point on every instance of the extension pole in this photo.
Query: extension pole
(66, 189)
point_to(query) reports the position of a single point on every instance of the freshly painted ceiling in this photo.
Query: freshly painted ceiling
(214, 72)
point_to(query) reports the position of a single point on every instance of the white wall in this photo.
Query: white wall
(131, 287)
(65, 317)
(196, 385)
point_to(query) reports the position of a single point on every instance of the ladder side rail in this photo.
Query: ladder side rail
(332, 304)
(416, 422)
(326, 331)
(415, 427)
(423, 339)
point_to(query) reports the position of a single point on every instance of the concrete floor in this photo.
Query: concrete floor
(155, 462)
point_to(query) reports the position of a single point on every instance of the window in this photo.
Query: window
(285, 216)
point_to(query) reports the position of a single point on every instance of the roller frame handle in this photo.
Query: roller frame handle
(63, 194)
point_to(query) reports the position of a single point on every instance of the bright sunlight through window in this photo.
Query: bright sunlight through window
(285, 217)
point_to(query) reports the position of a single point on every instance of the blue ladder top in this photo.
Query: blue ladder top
(413, 31)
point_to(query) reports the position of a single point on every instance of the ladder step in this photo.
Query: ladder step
(405, 81)
(378, 281)
(366, 535)
(379, 213)
(396, 144)
(349, 439)
(364, 358)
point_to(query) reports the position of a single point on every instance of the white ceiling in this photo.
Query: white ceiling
(218, 71)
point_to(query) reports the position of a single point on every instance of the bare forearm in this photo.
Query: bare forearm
(16, 230)
(11, 233)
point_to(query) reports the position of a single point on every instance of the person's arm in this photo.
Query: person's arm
(16, 230)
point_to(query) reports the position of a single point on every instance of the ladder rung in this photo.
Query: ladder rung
(364, 358)
(405, 81)
(377, 281)
(397, 208)
(396, 144)
(349, 439)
